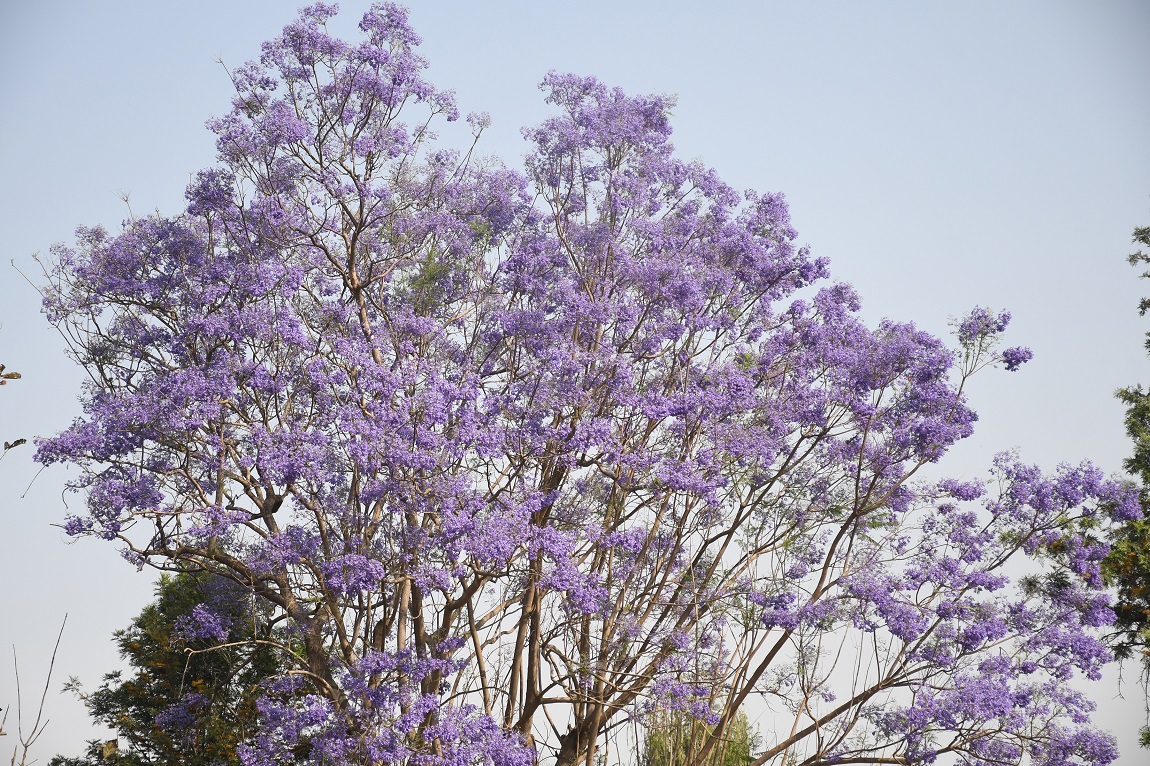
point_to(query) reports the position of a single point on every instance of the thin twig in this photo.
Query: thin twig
(37, 476)
(25, 744)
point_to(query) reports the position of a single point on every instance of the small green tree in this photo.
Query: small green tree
(1128, 565)
(672, 738)
(189, 698)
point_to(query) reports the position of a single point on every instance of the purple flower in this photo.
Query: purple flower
(980, 325)
(202, 624)
(1015, 357)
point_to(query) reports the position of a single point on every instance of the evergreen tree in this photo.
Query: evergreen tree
(1128, 565)
(673, 738)
(189, 696)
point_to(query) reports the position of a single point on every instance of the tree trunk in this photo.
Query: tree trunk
(571, 749)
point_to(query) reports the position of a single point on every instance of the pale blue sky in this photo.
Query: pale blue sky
(943, 155)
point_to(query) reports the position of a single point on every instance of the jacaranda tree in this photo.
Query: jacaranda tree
(525, 457)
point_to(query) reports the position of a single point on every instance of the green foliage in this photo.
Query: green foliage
(187, 703)
(673, 738)
(1142, 237)
(1128, 565)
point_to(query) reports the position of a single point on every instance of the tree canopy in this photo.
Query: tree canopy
(523, 459)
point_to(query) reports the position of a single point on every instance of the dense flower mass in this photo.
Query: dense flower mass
(520, 458)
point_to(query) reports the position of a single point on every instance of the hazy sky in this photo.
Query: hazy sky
(943, 155)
